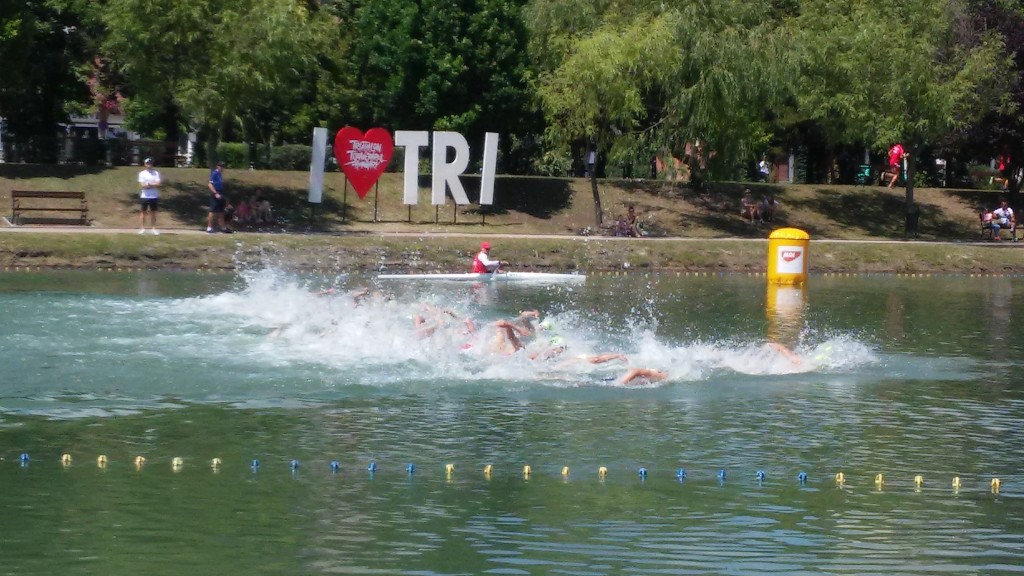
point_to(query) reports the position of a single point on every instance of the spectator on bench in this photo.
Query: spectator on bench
(1003, 217)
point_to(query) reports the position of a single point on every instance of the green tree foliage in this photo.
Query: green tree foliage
(655, 76)
(216, 60)
(441, 65)
(1001, 131)
(879, 72)
(43, 47)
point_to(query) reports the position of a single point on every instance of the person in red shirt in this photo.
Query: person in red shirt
(896, 156)
(483, 264)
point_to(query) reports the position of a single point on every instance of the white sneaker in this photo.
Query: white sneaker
(156, 232)
(142, 231)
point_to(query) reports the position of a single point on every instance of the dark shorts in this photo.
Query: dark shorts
(217, 204)
(150, 204)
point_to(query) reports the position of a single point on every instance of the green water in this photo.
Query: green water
(900, 377)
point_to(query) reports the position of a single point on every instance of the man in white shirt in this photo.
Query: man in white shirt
(149, 182)
(1002, 217)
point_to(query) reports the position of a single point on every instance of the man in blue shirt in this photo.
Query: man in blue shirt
(218, 201)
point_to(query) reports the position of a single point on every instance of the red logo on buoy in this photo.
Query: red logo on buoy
(790, 255)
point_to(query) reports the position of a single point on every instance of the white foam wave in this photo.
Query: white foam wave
(276, 319)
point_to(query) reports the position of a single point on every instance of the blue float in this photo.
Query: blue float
(802, 477)
(760, 475)
(255, 465)
(24, 457)
(642, 472)
(294, 464)
(335, 466)
(410, 468)
(721, 474)
(681, 474)
(372, 467)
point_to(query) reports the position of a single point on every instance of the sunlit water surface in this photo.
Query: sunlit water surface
(298, 388)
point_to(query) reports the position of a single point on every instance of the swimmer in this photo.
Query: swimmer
(789, 354)
(439, 318)
(507, 339)
(641, 376)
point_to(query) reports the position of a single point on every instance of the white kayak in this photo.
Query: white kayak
(488, 277)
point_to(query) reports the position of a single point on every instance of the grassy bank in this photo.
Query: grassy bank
(690, 231)
(432, 253)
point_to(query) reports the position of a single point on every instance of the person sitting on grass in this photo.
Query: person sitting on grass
(243, 214)
(632, 223)
(749, 209)
(767, 208)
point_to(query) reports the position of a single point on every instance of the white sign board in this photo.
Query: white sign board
(316, 166)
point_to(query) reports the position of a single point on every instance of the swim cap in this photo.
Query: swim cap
(485, 245)
(547, 324)
(557, 341)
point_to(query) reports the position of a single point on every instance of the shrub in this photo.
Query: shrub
(233, 154)
(290, 157)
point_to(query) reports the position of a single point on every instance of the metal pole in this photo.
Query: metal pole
(344, 203)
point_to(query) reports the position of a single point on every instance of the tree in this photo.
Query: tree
(216, 60)
(1000, 132)
(44, 51)
(660, 76)
(436, 64)
(902, 78)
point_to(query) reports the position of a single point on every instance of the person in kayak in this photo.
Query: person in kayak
(483, 264)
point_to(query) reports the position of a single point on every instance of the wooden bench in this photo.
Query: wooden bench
(23, 201)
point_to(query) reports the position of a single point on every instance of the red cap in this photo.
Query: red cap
(485, 245)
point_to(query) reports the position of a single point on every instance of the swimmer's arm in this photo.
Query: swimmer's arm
(602, 358)
(789, 354)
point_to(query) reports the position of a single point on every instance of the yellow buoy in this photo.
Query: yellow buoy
(565, 470)
(787, 256)
(996, 484)
(177, 462)
(879, 480)
(140, 461)
(527, 470)
(487, 470)
(956, 482)
(215, 463)
(840, 478)
(918, 480)
(66, 459)
(101, 461)
(449, 469)
(602, 471)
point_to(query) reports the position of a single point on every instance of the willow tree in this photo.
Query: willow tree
(653, 76)
(901, 78)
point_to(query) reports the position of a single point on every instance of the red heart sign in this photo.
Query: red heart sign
(363, 158)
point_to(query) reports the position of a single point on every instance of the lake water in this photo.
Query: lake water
(299, 391)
